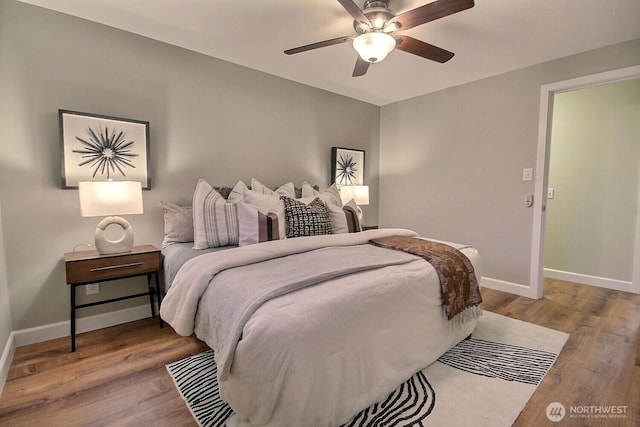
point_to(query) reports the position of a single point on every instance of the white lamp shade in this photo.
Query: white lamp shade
(359, 193)
(100, 198)
(374, 46)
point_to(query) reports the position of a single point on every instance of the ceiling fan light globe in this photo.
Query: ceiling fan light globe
(374, 46)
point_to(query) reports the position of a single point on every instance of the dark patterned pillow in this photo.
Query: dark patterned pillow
(306, 220)
(224, 191)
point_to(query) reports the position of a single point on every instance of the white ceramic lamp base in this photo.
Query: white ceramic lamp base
(105, 246)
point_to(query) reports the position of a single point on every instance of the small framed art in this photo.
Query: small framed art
(96, 147)
(347, 166)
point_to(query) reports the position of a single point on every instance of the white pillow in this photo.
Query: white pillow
(215, 220)
(178, 223)
(255, 226)
(266, 203)
(308, 190)
(328, 195)
(237, 192)
(343, 219)
(287, 189)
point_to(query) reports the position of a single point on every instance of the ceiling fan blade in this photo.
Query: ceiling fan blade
(355, 12)
(429, 12)
(317, 45)
(361, 67)
(425, 50)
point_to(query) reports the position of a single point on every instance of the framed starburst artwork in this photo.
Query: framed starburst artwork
(97, 147)
(347, 166)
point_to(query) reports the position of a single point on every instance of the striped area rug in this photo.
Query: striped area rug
(491, 375)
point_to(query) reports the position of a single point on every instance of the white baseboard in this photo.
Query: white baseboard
(512, 288)
(5, 361)
(602, 282)
(83, 324)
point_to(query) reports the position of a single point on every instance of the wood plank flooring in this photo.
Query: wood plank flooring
(117, 377)
(599, 364)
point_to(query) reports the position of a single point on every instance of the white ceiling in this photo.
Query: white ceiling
(491, 38)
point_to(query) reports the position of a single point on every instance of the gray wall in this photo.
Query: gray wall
(5, 316)
(451, 161)
(208, 119)
(5, 309)
(594, 171)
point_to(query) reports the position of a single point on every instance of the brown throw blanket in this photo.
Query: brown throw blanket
(458, 283)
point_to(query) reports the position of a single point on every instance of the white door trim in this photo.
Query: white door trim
(542, 164)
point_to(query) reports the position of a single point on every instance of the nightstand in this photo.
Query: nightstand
(87, 267)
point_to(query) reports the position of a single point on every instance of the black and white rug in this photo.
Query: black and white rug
(492, 375)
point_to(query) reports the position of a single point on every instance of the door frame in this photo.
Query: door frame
(547, 93)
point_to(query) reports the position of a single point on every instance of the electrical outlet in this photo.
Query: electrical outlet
(93, 288)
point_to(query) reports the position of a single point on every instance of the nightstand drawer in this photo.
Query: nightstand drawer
(112, 267)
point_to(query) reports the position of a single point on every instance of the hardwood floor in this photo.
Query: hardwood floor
(117, 377)
(600, 363)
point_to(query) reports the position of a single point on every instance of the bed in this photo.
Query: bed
(309, 331)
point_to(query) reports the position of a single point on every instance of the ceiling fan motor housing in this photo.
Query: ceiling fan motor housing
(378, 13)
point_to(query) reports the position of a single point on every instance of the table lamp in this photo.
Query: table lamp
(359, 194)
(108, 198)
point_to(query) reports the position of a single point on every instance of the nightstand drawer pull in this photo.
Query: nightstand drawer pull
(114, 267)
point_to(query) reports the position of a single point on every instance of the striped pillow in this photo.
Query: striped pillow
(256, 226)
(215, 219)
(267, 203)
(344, 219)
(351, 216)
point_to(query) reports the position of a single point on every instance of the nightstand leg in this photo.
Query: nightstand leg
(156, 291)
(159, 296)
(153, 306)
(73, 317)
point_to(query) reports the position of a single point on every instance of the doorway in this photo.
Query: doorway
(548, 94)
(592, 194)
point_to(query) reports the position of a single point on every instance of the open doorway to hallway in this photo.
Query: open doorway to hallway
(593, 185)
(547, 94)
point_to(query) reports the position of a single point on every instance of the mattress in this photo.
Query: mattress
(176, 254)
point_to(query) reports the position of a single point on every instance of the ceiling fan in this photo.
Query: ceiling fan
(376, 24)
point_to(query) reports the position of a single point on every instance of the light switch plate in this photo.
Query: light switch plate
(527, 174)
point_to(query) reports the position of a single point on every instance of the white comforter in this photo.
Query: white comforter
(317, 356)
